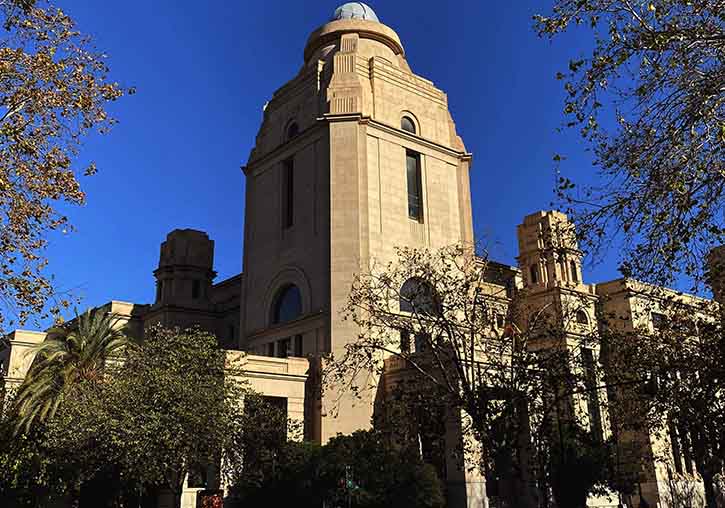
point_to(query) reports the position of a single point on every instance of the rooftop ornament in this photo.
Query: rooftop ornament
(355, 10)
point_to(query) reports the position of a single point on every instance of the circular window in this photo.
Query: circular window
(287, 305)
(407, 124)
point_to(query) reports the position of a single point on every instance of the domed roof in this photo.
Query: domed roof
(355, 10)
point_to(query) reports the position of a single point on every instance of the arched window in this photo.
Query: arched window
(581, 317)
(287, 305)
(417, 295)
(292, 130)
(407, 124)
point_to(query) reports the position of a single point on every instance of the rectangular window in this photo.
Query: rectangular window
(283, 347)
(534, 274)
(676, 451)
(500, 321)
(270, 349)
(659, 321)
(422, 342)
(298, 346)
(590, 381)
(288, 193)
(574, 272)
(195, 289)
(686, 447)
(279, 407)
(415, 194)
(404, 341)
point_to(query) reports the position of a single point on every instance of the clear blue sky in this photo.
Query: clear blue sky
(203, 71)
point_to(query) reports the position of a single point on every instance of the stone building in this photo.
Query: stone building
(356, 155)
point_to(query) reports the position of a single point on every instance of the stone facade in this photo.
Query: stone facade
(356, 156)
(336, 127)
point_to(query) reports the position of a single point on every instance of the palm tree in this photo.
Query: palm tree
(68, 356)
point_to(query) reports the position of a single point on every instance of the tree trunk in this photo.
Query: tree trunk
(179, 487)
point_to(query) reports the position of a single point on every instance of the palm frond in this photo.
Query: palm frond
(68, 356)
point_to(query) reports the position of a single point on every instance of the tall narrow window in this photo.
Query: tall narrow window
(574, 271)
(686, 447)
(288, 193)
(422, 342)
(415, 198)
(292, 130)
(404, 341)
(500, 321)
(676, 450)
(195, 289)
(298, 346)
(590, 382)
(534, 274)
(283, 348)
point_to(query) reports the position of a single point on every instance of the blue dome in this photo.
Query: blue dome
(355, 10)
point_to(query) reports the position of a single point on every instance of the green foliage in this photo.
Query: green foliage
(30, 476)
(289, 473)
(173, 406)
(503, 363)
(364, 467)
(671, 384)
(649, 102)
(170, 404)
(385, 474)
(578, 465)
(68, 356)
(260, 438)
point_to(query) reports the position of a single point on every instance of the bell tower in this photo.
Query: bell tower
(356, 155)
(560, 310)
(548, 251)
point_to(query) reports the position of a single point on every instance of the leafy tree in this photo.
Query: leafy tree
(281, 473)
(175, 405)
(439, 327)
(671, 384)
(255, 454)
(364, 468)
(28, 477)
(69, 355)
(54, 90)
(649, 102)
(578, 465)
(170, 405)
(379, 473)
